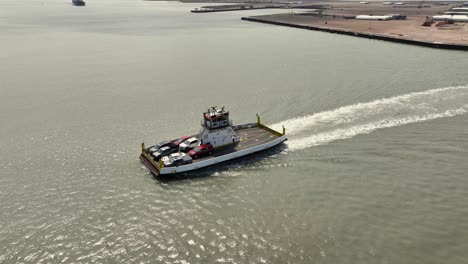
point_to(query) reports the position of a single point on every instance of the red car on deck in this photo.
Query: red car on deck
(201, 150)
(180, 140)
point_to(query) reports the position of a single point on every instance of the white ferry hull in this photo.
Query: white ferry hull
(223, 158)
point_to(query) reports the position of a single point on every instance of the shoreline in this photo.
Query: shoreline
(431, 44)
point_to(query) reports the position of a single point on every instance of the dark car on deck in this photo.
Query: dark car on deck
(201, 150)
(164, 151)
(160, 145)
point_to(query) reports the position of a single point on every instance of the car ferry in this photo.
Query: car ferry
(218, 142)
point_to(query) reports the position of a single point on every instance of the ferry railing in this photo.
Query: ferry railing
(279, 134)
(229, 123)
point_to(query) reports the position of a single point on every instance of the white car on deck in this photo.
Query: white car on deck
(176, 159)
(188, 144)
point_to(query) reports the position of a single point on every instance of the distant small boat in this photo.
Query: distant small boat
(78, 2)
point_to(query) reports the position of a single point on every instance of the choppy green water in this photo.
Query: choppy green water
(374, 171)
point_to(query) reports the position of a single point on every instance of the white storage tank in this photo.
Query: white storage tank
(455, 18)
(456, 13)
(368, 17)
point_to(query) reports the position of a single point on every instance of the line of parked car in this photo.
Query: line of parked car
(180, 151)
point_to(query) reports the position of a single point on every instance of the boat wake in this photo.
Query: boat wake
(363, 118)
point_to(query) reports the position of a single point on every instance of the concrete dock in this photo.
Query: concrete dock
(242, 7)
(396, 38)
(339, 18)
(252, 6)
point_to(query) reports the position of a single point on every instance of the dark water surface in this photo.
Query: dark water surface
(374, 171)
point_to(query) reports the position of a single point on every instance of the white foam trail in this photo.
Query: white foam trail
(363, 118)
(326, 137)
(411, 103)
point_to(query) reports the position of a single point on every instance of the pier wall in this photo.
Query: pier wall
(438, 45)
